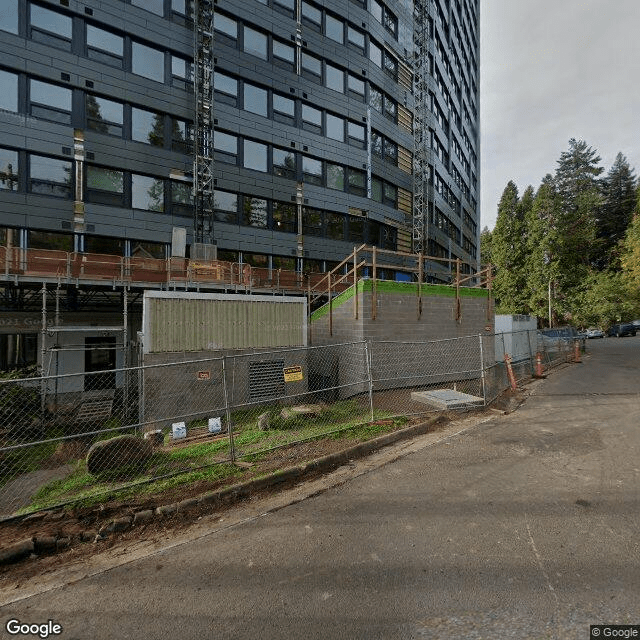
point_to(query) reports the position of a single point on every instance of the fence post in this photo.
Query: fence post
(367, 356)
(483, 380)
(232, 453)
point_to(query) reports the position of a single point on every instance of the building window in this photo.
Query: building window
(147, 193)
(226, 88)
(105, 245)
(255, 156)
(50, 177)
(9, 16)
(50, 102)
(334, 78)
(335, 226)
(390, 195)
(284, 109)
(311, 170)
(184, 8)
(226, 147)
(147, 127)
(376, 189)
(356, 85)
(355, 37)
(311, 221)
(356, 229)
(334, 29)
(147, 62)
(335, 127)
(226, 26)
(376, 10)
(376, 144)
(255, 99)
(335, 176)
(104, 116)
(287, 6)
(105, 186)
(157, 250)
(8, 91)
(311, 65)
(390, 151)
(50, 241)
(285, 217)
(311, 15)
(375, 54)
(390, 109)
(284, 52)
(154, 6)
(391, 65)
(357, 134)
(9, 176)
(357, 182)
(50, 27)
(181, 73)
(181, 136)
(376, 99)
(255, 43)
(311, 119)
(284, 163)
(181, 198)
(254, 212)
(104, 46)
(225, 206)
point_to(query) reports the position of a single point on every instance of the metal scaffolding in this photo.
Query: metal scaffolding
(204, 120)
(421, 133)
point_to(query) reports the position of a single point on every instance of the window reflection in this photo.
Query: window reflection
(254, 212)
(8, 170)
(255, 43)
(104, 46)
(226, 206)
(335, 127)
(255, 100)
(147, 193)
(255, 156)
(50, 27)
(104, 116)
(284, 163)
(8, 91)
(147, 127)
(50, 176)
(9, 16)
(147, 62)
(285, 217)
(50, 102)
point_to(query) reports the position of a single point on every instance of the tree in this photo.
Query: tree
(485, 246)
(630, 253)
(619, 201)
(508, 253)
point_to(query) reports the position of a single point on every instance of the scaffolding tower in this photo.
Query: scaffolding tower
(203, 133)
(421, 133)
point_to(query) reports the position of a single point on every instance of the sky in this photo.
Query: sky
(551, 70)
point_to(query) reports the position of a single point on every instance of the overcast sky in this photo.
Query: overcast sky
(552, 70)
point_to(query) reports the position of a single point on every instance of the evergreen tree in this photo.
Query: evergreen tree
(508, 253)
(485, 247)
(619, 201)
(630, 247)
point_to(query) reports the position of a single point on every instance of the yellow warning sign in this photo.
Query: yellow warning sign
(293, 374)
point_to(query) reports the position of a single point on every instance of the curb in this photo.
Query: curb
(18, 551)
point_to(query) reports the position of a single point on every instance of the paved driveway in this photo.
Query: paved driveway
(525, 526)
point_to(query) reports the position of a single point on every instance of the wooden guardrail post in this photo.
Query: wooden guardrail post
(374, 287)
(355, 283)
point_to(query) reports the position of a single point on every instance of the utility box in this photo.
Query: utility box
(515, 335)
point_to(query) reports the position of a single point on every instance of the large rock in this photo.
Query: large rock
(118, 453)
(301, 411)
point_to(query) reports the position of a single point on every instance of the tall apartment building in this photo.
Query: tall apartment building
(313, 117)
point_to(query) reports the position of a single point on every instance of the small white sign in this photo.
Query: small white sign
(215, 425)
(179, 430)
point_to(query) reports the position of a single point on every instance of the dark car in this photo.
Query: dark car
(621, 329)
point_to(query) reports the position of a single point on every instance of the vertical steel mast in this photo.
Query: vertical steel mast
(203, 122)
(421, 134)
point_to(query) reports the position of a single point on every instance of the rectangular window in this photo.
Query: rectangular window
(284, 52)
(103, 244)
(255, 156)
(9, 178)
(8, 91)
(226, 206)
(154, 6)
(284, 163)
(50, 102)
(285, 217)
(181, 72)
(375, 54)
(142, 249)
(104, 46)
(356, 85)
(50, 27)
(147, 62)
(390, 195)
(311, 64)
(355, 37)
(284, 109)
(334, 78)
(181, 136)
(9, 16)
(334, 29)
(390, 151)
(226, 147)
(183, 7)
(104, 116)
(50, 176)
(50, 240)
(376, 99)
(311, 221)
(335, 176)
(356, 229)
(335, 226)
(226, 88)
(254, 212)
(390, 109)
(376, 144)
(391, 65)
(105, 186)
(311, 170)
(357, 134)
(288, 6)
(255, 43)
(227, 26)
(311, 14)
(181, 198)
(255, 99)
(376, 189)
(147, 127)
(335, 127)
(147, 193)
(357, 182)
(376, 10)
(311, 118)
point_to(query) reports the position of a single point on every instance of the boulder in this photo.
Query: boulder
(301, 411)
(118, 453)
(263, 422)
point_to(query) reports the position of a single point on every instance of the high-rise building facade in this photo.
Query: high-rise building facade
(314, 144)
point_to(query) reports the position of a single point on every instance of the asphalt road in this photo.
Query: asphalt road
(525, 526)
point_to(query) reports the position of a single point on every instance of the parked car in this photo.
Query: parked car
(564, 336)
(622, 329)
(594, 332)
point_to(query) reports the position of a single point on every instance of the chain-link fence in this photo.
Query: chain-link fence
(70, 438)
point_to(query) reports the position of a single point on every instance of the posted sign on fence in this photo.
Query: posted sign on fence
(293, 374)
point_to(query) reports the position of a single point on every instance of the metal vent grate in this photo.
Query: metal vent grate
(266, 380)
